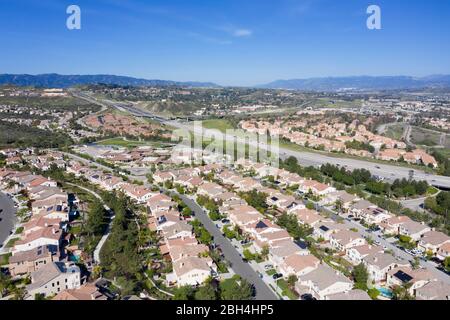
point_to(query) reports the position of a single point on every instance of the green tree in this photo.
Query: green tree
(183, 293)
(360, 276)
(206, 292)
(235, 289)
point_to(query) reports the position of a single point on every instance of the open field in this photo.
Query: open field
(121, 142)
(219, 124)
(425, 137)
(395, 131)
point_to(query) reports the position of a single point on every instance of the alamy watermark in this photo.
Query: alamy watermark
(73, 22)
(374, 20)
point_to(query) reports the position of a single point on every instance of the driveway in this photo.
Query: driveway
(263, 292)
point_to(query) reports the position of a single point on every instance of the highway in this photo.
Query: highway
(386, 171)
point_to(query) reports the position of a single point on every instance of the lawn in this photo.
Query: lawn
(271, 272)
(286, 290)
(219, 124)
(11, 242)
(4, 259)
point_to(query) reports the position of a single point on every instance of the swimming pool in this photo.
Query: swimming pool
(385, 292)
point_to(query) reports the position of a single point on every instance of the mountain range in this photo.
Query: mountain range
(361, 83)
(53, 80)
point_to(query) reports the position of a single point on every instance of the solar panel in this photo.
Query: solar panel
(402, 276)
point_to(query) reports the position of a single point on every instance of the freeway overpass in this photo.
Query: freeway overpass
(387, 171)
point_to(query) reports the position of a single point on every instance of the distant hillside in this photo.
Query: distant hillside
(63, 81)
(361, 83)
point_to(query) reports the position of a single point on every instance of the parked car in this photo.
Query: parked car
(268, 266)
(277, 276)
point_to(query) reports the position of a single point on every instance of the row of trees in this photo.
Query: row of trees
(357, 145)
(400, 188)
(120, 254)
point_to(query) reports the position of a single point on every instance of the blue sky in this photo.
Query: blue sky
(230, 42)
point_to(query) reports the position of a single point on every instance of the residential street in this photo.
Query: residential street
(263, 292)
(7, 216)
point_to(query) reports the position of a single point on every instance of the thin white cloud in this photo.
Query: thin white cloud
(236, 32)
(242, 33)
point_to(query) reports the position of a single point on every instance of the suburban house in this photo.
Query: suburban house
(32, 260)
(307, 216)
(413, 229)
(315, 187)
(278, 254)
(325, 229)
(346, 239)
(86, 292)
(416, 278)
(179, 229)
(380, 264)
(322, 282)
(135, 192)
(434, 290)
(54, 278)
(49, 236)
(355, 255)
(444, 251)
(298, 265)
(352, 295)
(191, 271)
(432, 241)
